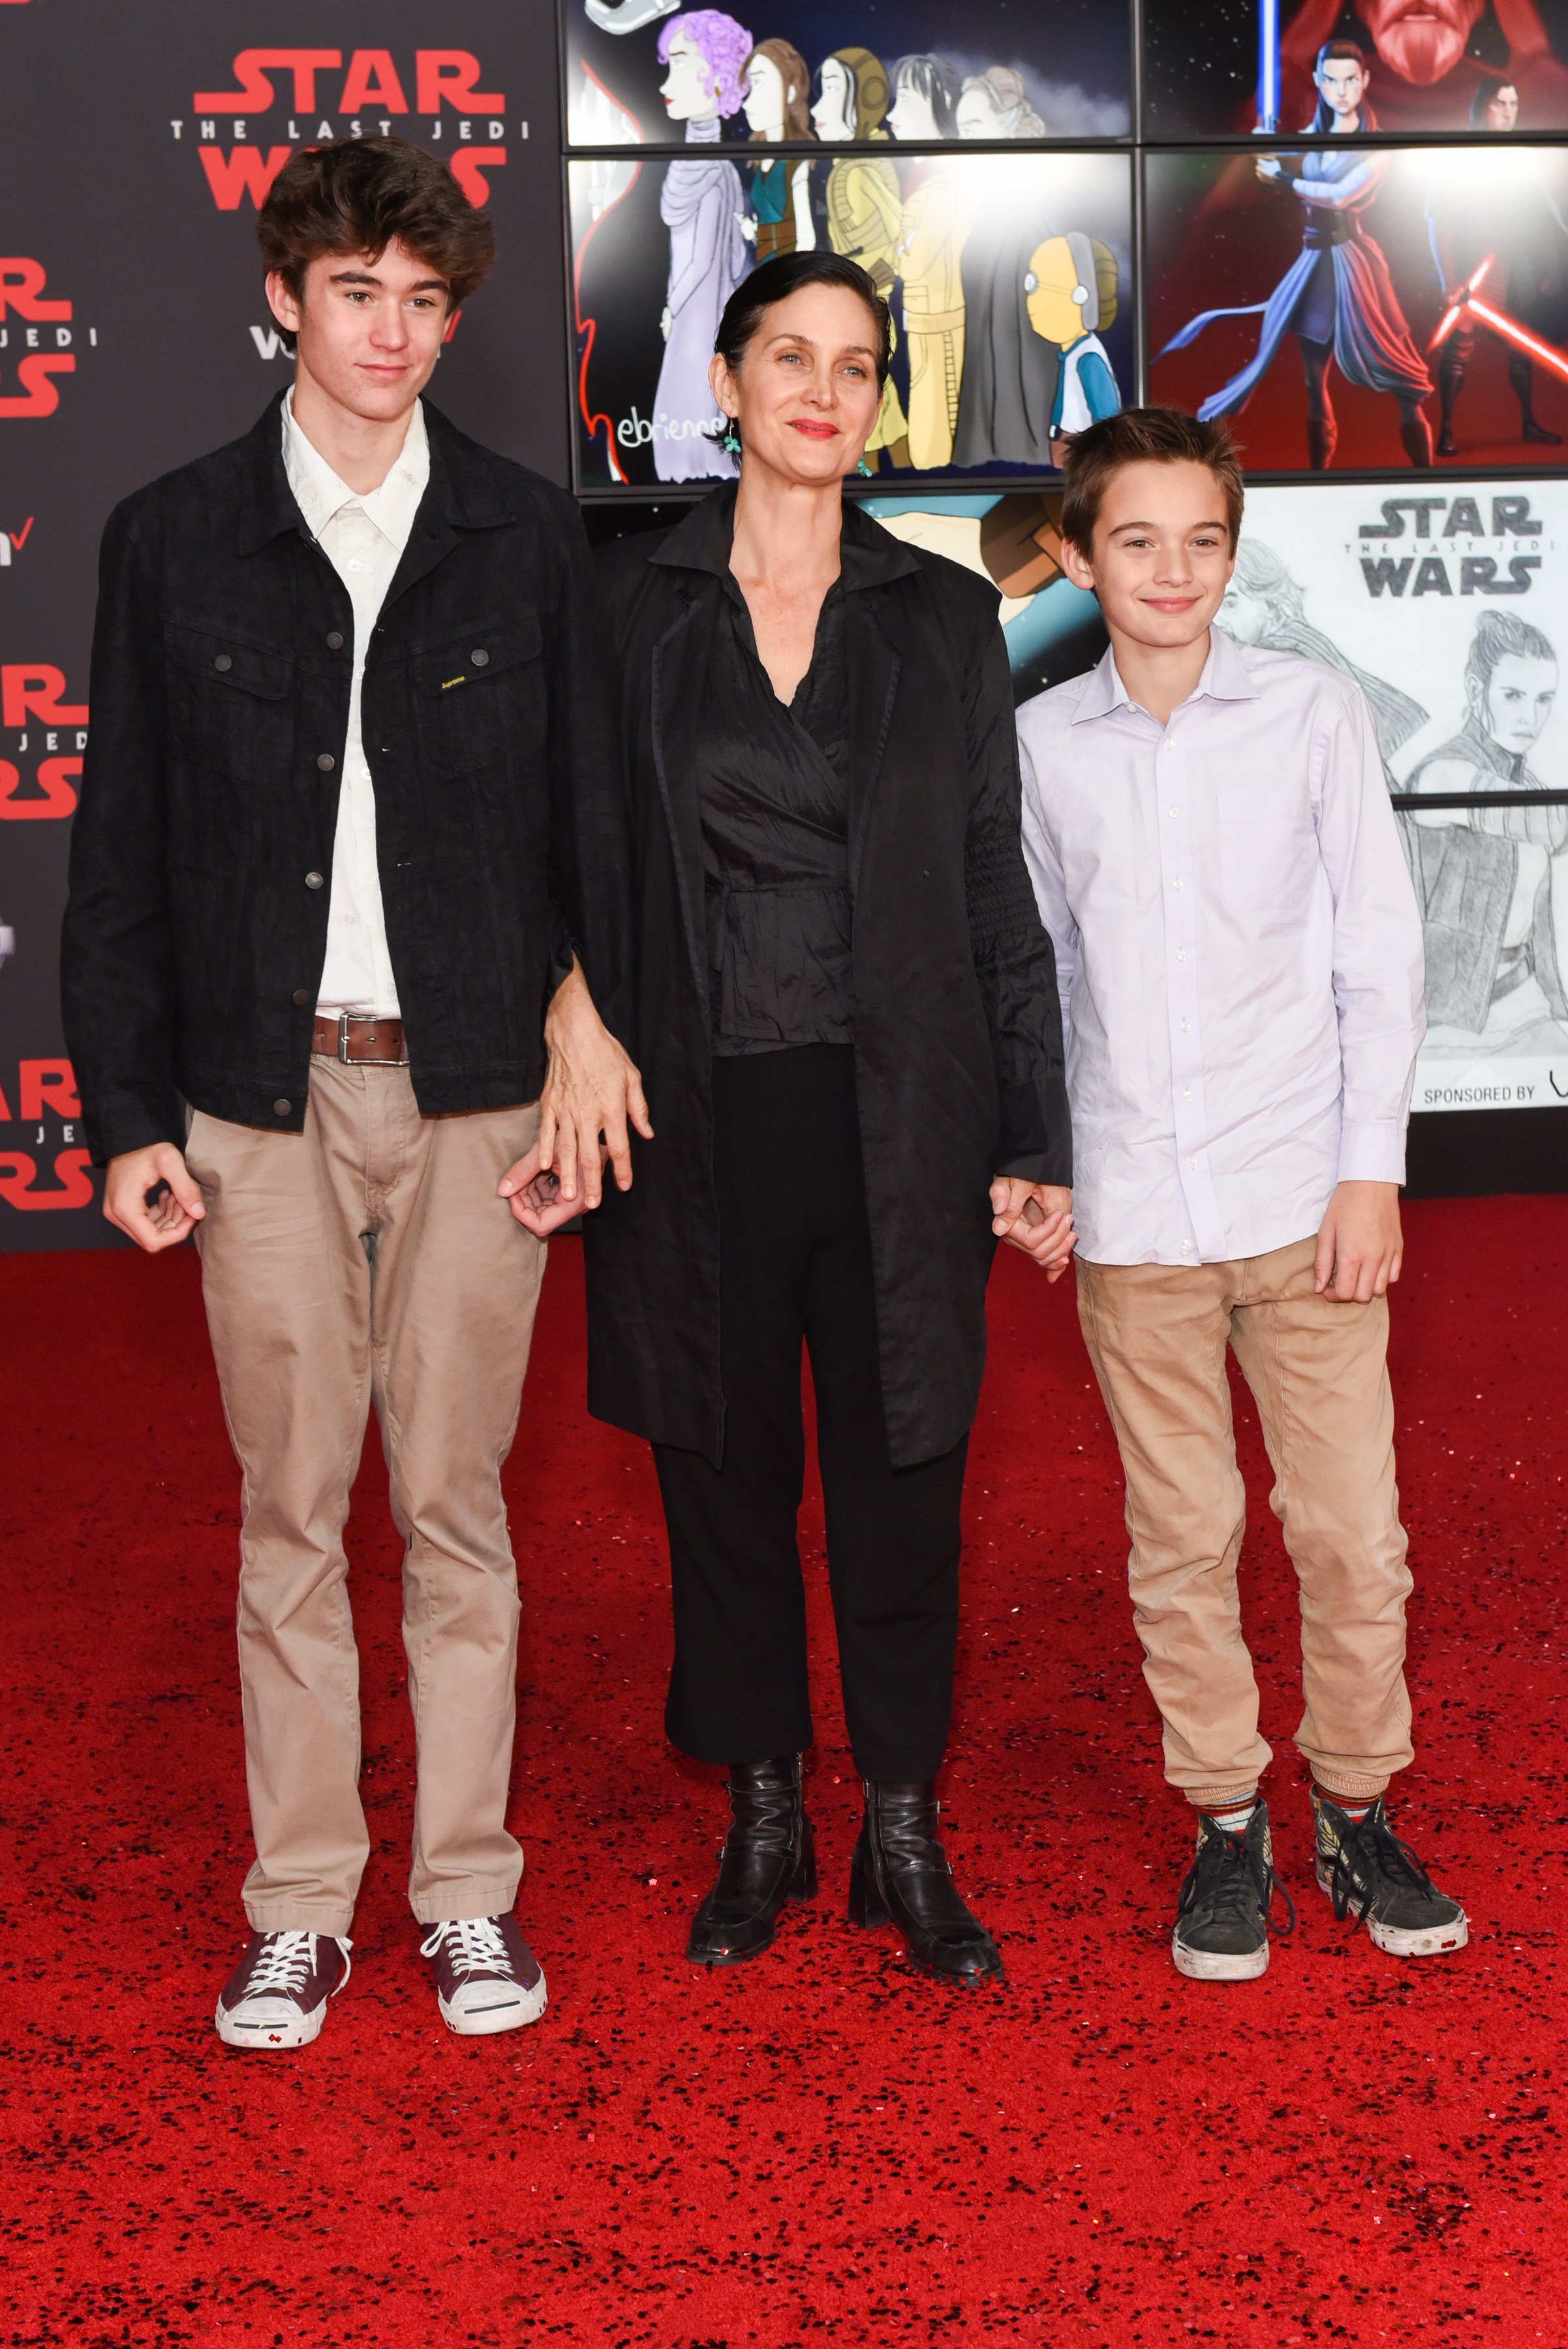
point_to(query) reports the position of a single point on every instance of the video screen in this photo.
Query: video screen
(1429, 65)
(1009, 277)
(642, 72)
(1367, 308)
(1447, 602)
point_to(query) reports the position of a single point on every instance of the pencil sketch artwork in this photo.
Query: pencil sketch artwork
(1450, 607)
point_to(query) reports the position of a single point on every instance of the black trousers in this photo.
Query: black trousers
(795, 1264)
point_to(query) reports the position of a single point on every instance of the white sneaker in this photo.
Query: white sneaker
(277, 1994)
(487, 1978)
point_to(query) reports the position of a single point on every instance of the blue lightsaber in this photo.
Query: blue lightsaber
(1268, 65)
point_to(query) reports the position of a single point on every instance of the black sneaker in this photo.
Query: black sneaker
(1370, 1875)
(277, 1994)
(1222, 1908)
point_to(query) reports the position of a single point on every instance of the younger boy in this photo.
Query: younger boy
(1238, 953)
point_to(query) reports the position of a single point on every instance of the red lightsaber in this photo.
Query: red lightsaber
(1500, 323)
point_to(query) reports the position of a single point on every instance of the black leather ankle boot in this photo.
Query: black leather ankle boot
(768, 1858)
(900, 1872)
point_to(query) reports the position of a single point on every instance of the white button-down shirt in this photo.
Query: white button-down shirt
(1238, 948)
(363, 538)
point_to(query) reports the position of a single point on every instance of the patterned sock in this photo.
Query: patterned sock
(1355, 1807)
(1232, 1816)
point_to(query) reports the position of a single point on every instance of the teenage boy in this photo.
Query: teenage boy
(349, 822)
(1240, 958)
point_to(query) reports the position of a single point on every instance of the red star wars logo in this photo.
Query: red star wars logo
(48, 735)
(44, 1090)
(36, 325)
(319, 99)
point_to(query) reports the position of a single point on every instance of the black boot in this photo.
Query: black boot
(1322, 438)
(900, 1872)
(1521, 376)
(768, 1858)
(1415, 439)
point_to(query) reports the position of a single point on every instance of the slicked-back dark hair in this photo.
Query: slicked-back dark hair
(773, 281)
(357, 195)
(1140, 436)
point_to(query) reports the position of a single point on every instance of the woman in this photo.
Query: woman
(778, 85)
(1337, 297)
(851, 1041)
(865, 208)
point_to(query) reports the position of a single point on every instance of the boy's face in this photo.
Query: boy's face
(1161, 559)
(367, 332)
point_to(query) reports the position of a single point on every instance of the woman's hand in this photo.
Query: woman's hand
(591, 1091)
(1036, 1217)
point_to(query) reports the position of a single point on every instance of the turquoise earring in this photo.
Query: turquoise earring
(730, 443)
(864, 468)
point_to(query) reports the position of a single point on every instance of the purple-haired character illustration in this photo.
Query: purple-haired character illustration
(704, 51)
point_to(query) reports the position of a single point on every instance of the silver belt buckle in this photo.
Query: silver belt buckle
(343, 1036)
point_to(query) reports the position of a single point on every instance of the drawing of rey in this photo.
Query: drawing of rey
(705, 52)
(1493, 882)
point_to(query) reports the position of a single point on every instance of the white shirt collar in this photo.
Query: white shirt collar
(319, 494)
(1225, 678)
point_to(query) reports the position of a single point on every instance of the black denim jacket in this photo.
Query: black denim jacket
(202, 855)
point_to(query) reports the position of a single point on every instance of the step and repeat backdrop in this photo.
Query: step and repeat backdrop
(1344, 227)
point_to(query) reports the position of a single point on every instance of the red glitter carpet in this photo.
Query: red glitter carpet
(817, 2146)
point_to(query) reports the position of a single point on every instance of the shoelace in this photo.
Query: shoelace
(1228, 1887)
(285, 1962)
(1380, 1852)
(474, 1946)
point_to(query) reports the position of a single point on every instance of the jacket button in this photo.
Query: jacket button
(480, 660)
(326, 762)
(281, 1108)
(302, 996)
(313, 881)
(223, 661)
(335, 640)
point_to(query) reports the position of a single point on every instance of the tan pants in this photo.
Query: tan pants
(1156, 1335)
(370, 1260)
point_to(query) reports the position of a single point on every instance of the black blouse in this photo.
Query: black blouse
(773, 785)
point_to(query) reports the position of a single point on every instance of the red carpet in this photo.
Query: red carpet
(819, 2147)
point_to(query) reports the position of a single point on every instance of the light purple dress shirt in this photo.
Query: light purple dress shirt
(1238, 948)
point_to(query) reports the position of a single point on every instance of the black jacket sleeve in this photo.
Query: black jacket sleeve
(1012, 954)
(117, 970)
(591, 838)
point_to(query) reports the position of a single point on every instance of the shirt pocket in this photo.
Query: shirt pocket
(1268, 850)
(480, 696)
(231, 703)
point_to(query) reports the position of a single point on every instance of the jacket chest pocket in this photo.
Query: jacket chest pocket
(231, 705)
(480, 699)
(1268, 850)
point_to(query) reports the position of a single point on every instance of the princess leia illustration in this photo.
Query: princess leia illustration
(1337, 298)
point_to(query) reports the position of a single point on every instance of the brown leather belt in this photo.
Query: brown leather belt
(359, 1036)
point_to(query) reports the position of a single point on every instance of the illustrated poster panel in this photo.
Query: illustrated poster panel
(1429, 65)
(1447, 602)
(641, 70)
(1009, 277)
(1364, 307)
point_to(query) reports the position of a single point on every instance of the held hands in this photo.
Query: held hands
(1036, 1217)
(1360, 1245)
(591, 1089)
(150, 1194)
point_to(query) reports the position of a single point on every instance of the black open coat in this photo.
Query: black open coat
(957, 1029)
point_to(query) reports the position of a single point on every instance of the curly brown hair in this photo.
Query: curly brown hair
(357, 195)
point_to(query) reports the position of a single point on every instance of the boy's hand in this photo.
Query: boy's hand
(1360, 1245)
(1036, 1217)
(158, 1173)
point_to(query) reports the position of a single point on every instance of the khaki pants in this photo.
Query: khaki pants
(1156, 1335)
(370, 1260)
